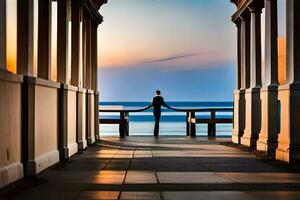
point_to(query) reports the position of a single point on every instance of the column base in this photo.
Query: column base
(68, 124)
(236, 137)
(248, 141)
(90, 117)
(289, 138)
(82, 145)
(268, 135)
(289, 156)
(253, 112)
(90, 141)
(239, 116)
(11, 173)
(265, 145)
(69, 151)
(33, 167)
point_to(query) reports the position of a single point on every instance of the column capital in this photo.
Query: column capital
(245, 16)
(256, 6)
(237, 22)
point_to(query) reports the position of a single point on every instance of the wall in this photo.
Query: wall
(11, 168)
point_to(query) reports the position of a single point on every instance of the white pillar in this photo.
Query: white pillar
(239, 94)
(252, 94)
(289, 94)
(269, 123)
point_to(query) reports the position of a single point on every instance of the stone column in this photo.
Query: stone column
(25, 37)
(84, 57)
(44, 39)
(90, 117)
(68, 93)
(63, 51)
(289, 94)
(76, 67)
(95, 77)
(239, 94)
(245, 40)
(88, 53)
(75, 14)
(252, 94)
(2, 34)
(269, 123)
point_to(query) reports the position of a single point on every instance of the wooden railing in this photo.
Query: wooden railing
(191, 119)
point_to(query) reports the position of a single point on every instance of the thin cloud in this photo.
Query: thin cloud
(172, 58)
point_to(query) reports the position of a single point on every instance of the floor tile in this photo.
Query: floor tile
(140, 177)
(99, 195)
(191, 177)
(140, 196)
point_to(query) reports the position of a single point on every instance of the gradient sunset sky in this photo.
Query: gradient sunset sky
(186, 48)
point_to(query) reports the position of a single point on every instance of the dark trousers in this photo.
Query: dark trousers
(156, 126)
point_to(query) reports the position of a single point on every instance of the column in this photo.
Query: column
(68, 93)
(77, 61)
(239, 94)
(289, 94)
(88, 53)
(269, 123)
(239, 59)
(95, 77)
(252, 94)
(44, 39)
(75, 43)
(84, 46)
(63, 28)
(245, 54)
(2, 34)
(90, 117)
(25, 37)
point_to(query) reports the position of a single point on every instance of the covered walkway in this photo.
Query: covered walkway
(166, 168)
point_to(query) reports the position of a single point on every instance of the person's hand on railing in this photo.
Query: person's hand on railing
(146, 108)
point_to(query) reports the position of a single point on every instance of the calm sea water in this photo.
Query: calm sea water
(172, 123)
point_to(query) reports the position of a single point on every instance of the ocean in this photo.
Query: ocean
(172, 122)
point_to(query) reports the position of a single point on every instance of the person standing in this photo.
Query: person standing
(157, 102)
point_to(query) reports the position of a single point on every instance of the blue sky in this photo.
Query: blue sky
(187, 49)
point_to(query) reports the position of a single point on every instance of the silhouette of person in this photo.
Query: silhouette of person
(157, 102)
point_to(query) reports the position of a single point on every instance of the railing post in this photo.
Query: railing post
(212, 126)
(124, 125)
(127, 123)
(187, 123)
(192, 124)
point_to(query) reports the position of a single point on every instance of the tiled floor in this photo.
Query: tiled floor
(168, 168)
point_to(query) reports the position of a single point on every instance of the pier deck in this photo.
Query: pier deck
(168, 168)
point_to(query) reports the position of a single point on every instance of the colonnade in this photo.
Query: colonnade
(44, 120)
(266, 112)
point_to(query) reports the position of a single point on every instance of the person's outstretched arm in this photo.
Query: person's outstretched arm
(166, 105)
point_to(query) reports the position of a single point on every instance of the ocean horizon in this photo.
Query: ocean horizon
(172, 122)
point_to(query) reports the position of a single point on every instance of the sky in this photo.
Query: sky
(187, 49)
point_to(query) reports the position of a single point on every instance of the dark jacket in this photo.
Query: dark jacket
(157, 102)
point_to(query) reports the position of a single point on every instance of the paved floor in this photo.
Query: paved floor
(167, 168)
